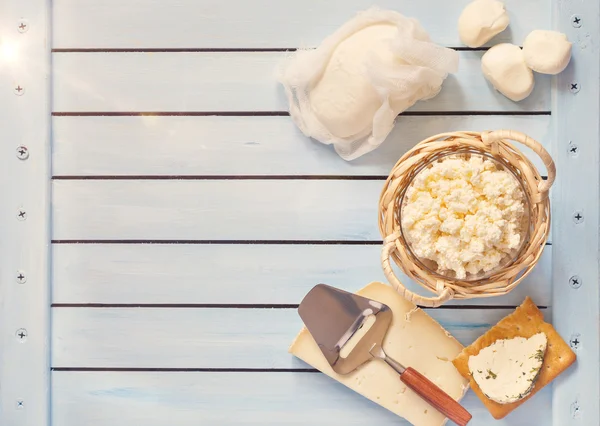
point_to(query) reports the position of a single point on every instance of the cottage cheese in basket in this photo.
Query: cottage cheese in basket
(464, 214)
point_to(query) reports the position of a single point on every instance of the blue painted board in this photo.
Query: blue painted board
(233, 146)
(211, 82)
(219, 273)
(231, 399)
(215, 210)
(24, 213)
(206, 338)
(577, 315)
(142, 294)
(256, 24)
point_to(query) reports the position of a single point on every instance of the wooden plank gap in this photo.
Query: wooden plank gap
(176, 305)
(228, 177)
(249, 306)
(186, 370)
(223, 177)
(229, 242)
(211, 50)
(274, 113)
(232, 242)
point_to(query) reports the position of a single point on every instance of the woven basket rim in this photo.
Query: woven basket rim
(496, 144)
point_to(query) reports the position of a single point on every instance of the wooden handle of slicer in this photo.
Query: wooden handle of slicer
(431, 393)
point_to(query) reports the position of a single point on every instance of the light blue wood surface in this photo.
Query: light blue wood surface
(576, 399)
(181, 244)
(205, 337)
(217, 146)
(231, 399)
(255, 24)
(24, 214)
(214, 210)
(215, 82)
(219, 274)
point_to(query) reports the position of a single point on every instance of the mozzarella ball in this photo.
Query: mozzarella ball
(547, 52)
(504, 66)
(480, 21)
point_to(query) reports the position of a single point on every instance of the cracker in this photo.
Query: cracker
(525, 321)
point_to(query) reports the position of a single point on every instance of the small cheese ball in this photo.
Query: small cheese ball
(504, 66)
(480, 21)
(547, 52)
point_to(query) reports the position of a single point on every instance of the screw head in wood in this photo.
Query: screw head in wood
(575, 341)
(573, 149)
(575, 87)
(576, 21)
(22, 26)
(21, 335)
(575, 281)
(22, 152)
(21, 277)
(19, 90)
(577, 217)
(575, 410)
(22, 214)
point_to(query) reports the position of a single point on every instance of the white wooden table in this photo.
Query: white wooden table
(166, 216)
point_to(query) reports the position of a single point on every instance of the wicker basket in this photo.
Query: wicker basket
(504, 279)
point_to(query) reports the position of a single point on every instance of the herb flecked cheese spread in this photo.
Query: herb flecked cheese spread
(506, 370)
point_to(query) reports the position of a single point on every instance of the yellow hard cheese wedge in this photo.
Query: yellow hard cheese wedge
(414, 339)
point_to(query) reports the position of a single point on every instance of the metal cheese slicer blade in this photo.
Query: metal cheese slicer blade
(349, 329)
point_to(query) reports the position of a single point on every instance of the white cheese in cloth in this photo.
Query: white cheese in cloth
(345, 99)
(414, 339)
(350, 89)
(506, 370)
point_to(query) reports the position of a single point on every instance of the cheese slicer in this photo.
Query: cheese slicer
(349, 329)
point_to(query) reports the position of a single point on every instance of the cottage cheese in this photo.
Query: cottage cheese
(465, 215)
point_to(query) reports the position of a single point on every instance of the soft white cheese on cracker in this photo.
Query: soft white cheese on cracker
(506, 370)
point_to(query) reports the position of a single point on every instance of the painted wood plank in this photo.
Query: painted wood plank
(242, 81)
(205, 337)
(228, 399)
(126, 146)
(235, 274)
(322, 210)
(241, 24)
(576, 395)
(24, 239)
(215, 210)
